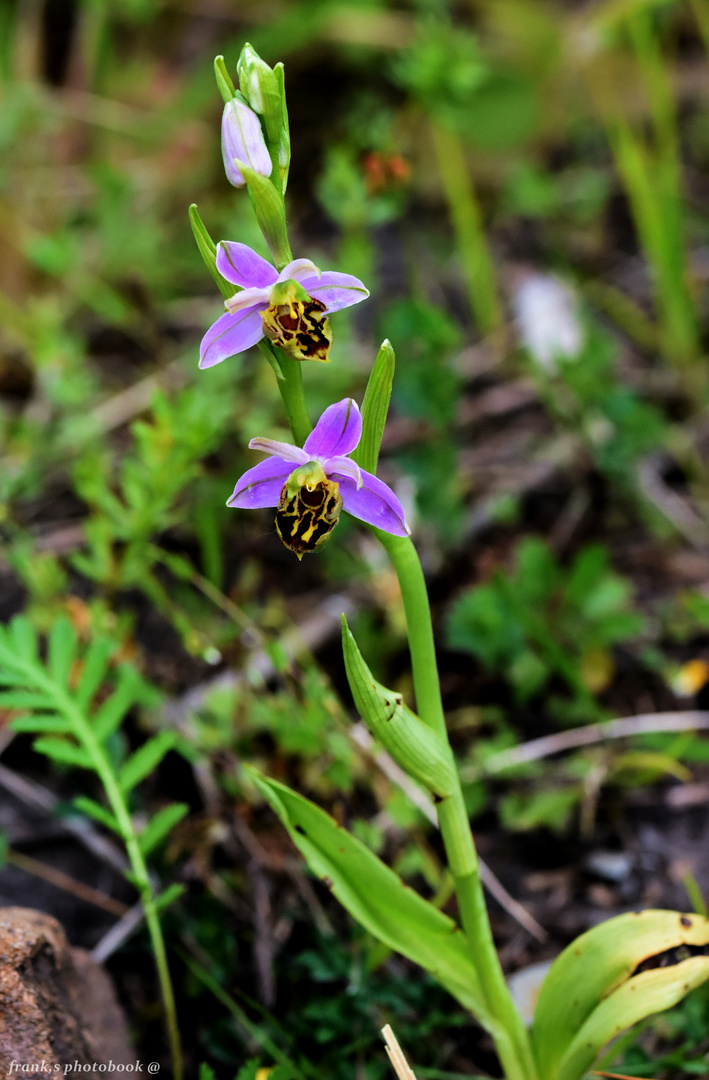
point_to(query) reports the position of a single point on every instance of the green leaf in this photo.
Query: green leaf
(160, 825)
(23, 638)
(42, 724)
(65, 752)
(208, 251)
(24, 699)
(375, 407)
(206, 1072)
(412, 744)
(593, 971)
(97, 812)
(171, 893)
(144, 760)
(270, 212)
(248, 1070)
(226, 86)
(94, 670)
(61, 650)
(645, 994)
(375, 896)
(108, 716)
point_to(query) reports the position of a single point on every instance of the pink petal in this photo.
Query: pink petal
(285, 451)
(247, 298)
(261, 486)
(241, 265)
(374, 503)
(344, 466)
(338, 431)
(335, 290)
(299, 268)
(230, 335)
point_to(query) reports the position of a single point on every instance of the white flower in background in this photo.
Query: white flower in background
(546, 311)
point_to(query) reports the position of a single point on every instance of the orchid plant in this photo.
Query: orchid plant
(618, 972)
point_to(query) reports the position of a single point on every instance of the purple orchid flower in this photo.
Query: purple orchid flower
(310, 486)
(291, 307)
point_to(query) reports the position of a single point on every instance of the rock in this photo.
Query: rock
(57, 1006)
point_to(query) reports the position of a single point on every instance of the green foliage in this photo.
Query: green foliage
(543, 620)
(377, 898)
(58, 702)
(586, 396)
(594, 989)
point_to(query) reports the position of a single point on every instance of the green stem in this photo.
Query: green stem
(141, 877)
(512, 1041)
(513, 1046)
(289, 375)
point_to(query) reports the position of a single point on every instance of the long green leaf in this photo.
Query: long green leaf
(168, 896)
(144, 760)
(645, 994)
(375, 407)
(597, 964)
(24, 699)
(42, 724)
(208, 251)
(108, 716)
(64, 752)
(160, 825)
(97, 812)
(62, 647)
(377, 897)
(22, 638)
(94, 670)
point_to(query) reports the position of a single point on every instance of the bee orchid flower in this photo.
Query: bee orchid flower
(309, 486)
(290, 308)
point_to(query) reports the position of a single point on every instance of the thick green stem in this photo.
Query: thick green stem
(514, 1047)
(289, 374)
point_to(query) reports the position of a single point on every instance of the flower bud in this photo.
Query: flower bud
(259, 85)
(242, 140)
(417, 748)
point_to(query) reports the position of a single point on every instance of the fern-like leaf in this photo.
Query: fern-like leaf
(64, 752)
(144, 760)
(110, 713)
(97, 812)
(61, 651)
(94, 671)
(160, 825)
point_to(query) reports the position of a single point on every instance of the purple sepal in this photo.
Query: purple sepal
(373, 502)
(335, 290)
(261, 486)
(243, 266)
(229, 335)
(337, 432)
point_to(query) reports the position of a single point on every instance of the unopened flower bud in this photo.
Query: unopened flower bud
(242, 140)
(259, 85)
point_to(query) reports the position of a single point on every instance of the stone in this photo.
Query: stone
(57, 1006)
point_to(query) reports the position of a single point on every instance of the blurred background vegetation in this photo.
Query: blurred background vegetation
(523, 186)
